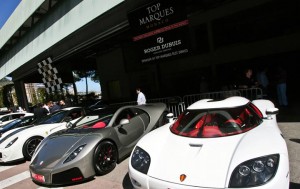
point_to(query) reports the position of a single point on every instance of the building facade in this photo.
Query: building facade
(163, 47)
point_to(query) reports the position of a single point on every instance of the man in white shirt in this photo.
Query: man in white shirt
(141, 99)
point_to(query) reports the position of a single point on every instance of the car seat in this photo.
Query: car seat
(99, 125)
(211, 131)
(211, 128)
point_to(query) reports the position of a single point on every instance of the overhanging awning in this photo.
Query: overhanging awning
(65, 19)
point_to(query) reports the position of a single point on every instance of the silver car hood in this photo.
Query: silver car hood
(56, 148)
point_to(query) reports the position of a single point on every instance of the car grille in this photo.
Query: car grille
(68, 176)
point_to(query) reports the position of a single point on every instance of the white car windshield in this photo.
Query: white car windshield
(210, 123)
(56, 117)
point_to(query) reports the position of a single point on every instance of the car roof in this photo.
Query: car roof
(70, 108)
(226, 103)
(14, 113)
(103, 111)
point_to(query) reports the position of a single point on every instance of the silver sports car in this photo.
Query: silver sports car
(94, 144)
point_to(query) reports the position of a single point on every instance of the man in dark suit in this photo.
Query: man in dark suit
(39, 111)
(54, 107)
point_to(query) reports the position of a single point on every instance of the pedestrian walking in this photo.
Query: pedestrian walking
(141, 98)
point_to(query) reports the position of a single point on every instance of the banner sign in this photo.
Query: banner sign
(160, 30)
(50, 79)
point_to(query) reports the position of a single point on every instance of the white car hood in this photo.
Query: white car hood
(40, 130)
(206, 162)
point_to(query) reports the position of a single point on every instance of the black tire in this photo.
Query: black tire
(105, 158)
(30, 146)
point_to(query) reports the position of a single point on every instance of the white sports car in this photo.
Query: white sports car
(232, 143)
(7, 118)
(20, 143)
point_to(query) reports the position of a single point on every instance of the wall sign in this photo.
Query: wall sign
(160, 30)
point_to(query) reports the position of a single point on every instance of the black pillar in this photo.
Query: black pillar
(21, 94)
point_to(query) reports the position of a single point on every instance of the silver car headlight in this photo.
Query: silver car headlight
(74, 154)
(140, 160)
(11, 142)
(254, 172)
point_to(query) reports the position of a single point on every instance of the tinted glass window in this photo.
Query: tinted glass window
(14, 116)
(54, 118)
(208, 123)
(124, 114)
(4, 118)
(94, 121)
(11, 124)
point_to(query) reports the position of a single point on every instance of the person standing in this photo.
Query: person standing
(62, 104)
(54, 107)
(263, 80)
(40, 111)
(281, 86)
(141, 98)
(247, 81)
(47, 107)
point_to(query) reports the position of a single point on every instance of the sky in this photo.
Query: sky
(92, 86)
(6, 9)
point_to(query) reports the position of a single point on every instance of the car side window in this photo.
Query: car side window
(75, 114)
(17, 116)
(124, 114)
(137, 111)
(5, 118)
(27, 121)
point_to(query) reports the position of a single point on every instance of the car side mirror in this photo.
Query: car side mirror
(271, 111)
(69, 125)
(124, 121)
(170, 117)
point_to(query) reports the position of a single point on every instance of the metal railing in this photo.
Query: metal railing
(177, 105)
(174, 104)
(251, 94)
(190, 99)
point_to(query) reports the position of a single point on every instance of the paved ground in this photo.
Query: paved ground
(291, 133)
(17, 176)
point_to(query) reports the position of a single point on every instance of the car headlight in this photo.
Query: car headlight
(254, 172)
(140, 160)
(11, 142)
(75, 153)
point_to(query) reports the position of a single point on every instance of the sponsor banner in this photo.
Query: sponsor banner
(160, 30)
(50, 75)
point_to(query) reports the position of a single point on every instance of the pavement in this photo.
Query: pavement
(289, 123)
(291, 133)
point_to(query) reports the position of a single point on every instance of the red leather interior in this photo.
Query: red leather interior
(211, 131)
(99, 125)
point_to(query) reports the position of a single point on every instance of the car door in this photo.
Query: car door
(129, 132)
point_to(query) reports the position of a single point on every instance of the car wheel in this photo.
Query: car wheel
(30, 146)
(105, 158)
